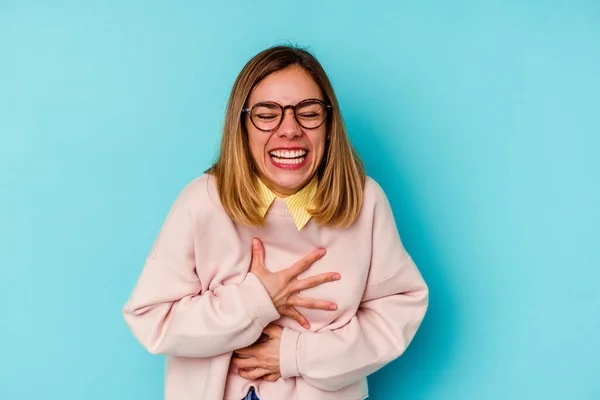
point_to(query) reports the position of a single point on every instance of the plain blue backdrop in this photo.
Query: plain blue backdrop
(480, 119)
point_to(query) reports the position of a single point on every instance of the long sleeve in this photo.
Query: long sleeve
(168, 311)
(392, 307)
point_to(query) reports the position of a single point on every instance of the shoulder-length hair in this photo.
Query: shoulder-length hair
(341, 175)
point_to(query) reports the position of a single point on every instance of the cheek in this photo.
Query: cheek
(257, 145)
(318, 144)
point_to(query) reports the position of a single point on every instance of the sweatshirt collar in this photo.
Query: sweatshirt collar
(297, 204)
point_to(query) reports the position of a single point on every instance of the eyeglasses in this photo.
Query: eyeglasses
(267, 116)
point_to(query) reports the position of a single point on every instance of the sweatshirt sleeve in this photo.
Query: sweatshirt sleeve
(169, 313)
(392, 307)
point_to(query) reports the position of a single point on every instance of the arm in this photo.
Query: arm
(392, 308)
(168, 312)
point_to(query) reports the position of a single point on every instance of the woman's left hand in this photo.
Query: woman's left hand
(262, 360)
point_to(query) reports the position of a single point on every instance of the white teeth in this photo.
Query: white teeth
(287, 153)
(288, 160)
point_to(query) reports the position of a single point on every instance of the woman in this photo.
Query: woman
(325, 295)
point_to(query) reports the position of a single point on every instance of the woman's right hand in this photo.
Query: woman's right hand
(284, 288)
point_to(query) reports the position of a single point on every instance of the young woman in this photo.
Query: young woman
(278, 274)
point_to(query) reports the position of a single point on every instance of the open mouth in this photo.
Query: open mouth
(288, 157)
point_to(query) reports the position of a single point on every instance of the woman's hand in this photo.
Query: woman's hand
(260, 360)
(284, 288)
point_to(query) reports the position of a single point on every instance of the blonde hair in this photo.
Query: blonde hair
(341, 175)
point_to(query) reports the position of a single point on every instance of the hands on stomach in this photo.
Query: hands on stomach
(284, 287)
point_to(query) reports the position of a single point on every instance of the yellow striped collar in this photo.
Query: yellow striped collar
(297, 204)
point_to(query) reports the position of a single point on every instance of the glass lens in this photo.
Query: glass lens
(266, 116)
(311, 114)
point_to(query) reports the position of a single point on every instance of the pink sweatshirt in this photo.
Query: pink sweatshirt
(196, 302)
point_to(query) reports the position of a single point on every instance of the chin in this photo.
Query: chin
(288, 181)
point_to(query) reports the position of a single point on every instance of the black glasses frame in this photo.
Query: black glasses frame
(248, 111)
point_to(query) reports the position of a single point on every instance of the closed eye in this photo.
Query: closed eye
(309, 115)
(266, 117)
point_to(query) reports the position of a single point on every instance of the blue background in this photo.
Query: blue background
(480, 119)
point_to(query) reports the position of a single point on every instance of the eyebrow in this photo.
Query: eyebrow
(284, 105)
(267, 104)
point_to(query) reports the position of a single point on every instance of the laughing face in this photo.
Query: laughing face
(288, 157)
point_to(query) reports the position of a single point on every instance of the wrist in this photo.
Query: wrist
(288, 349)
(257, 300)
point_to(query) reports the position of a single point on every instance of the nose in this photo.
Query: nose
(289, 127)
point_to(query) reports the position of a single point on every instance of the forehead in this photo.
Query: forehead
(288, 86)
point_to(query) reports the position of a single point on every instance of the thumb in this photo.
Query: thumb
(258, 255)
(273, 331)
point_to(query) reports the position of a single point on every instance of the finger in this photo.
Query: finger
(271, 377)
(273, 331)
(258, 255)
(295, 315)
(253, 374)
(245, 363)
(316, 280)
(251, 350)
(307, 302)
(263, 338)
(304, 263)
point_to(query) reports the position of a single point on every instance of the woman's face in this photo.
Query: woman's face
(288, 157)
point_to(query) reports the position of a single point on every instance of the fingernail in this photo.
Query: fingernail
(255, 244)
(333, 307)
(322, 252)
(306, 326)
(336, 277)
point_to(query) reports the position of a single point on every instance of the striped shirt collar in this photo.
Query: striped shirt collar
(297, 204)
